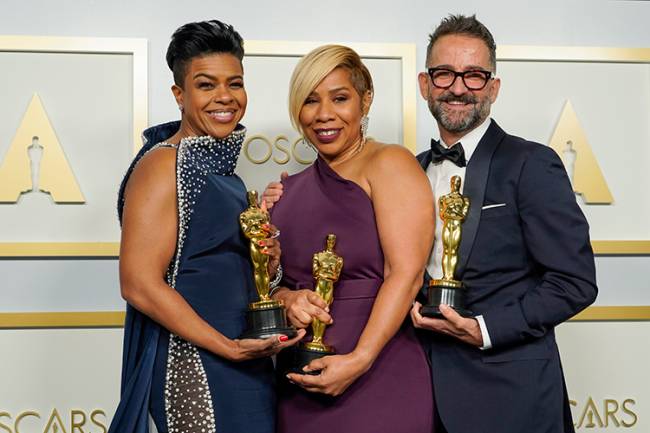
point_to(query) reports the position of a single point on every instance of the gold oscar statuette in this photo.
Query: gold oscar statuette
(326, 269)
(453, 211)
(265, 317)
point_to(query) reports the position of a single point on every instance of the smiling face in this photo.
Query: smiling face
(457, 109)
(213, 98)
(331, 115)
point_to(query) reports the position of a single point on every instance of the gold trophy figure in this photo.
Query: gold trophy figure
(326, 269)
(252, 222)
(453, 211)
(265, 317)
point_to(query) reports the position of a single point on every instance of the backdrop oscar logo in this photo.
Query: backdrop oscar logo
(54, 421)
(259, 148)
(35, 162)
(604, 413)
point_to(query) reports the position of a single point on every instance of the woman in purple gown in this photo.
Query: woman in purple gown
(378, 202)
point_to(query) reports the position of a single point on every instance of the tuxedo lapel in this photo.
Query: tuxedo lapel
(475, 182)
(424, 159)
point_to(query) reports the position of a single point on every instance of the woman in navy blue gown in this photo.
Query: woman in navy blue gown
(185, 268)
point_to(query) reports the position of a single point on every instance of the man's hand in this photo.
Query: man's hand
(465, 329)
(273, 191)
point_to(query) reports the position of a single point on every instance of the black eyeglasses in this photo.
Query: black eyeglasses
(444, 78)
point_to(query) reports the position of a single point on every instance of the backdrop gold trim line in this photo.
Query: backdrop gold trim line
(115, 319)
(60, 249)
(103, 319)
(112, 249)
(621, 247)
(621, 313)
(573, 54)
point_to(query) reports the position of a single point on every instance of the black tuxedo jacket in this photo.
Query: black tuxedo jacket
(528, 266)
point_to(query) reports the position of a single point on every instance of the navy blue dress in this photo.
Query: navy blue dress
(184, 388)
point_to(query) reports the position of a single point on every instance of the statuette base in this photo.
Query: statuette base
(449, 292)
(297, 358)
(265, 305)
(266, 322)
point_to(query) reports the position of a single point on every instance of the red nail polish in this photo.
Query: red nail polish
(283, 338)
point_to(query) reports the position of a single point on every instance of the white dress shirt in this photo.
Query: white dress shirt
(440, 175)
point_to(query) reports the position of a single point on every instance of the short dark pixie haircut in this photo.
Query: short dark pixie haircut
(201, 39)
(468, 26)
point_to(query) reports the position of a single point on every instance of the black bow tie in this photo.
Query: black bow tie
(455, 153)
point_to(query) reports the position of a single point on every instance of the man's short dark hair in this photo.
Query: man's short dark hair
(200, 39)
(468, 26)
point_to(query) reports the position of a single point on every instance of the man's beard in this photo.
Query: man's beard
(467, 121)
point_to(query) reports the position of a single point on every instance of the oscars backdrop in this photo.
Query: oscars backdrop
(73, 109)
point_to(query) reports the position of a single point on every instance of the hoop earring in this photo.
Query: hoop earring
(309, 144)
(364, 128)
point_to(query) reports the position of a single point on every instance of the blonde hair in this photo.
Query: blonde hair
(315, 66)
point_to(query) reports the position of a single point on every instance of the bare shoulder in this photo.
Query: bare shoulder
(392, 158)
(154, 174)
(394, 170)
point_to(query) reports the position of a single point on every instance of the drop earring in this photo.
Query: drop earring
(364, 128)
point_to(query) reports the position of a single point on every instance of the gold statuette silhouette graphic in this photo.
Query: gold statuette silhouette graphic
(570, 142)
(35, 161)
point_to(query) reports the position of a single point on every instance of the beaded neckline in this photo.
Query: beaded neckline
(237, 134)
(211, 154)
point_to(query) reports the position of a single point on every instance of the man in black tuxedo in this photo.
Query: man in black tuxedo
(524, 254)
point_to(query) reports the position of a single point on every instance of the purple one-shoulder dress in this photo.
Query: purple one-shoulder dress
(395, 395)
